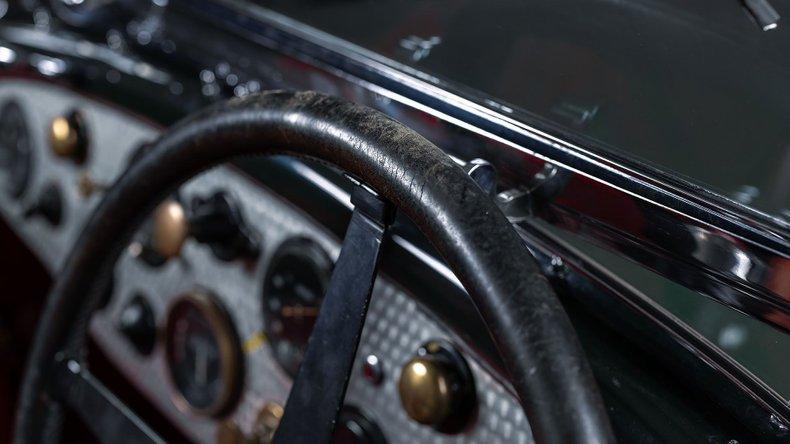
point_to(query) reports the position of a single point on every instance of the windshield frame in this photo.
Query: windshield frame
(750, 246)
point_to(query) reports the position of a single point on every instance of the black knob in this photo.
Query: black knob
(137, 324)
(353, 427)
(48, 205)
(217, 221)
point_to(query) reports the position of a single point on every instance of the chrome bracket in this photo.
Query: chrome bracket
(520, 203)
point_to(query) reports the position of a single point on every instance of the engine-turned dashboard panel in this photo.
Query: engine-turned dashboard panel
(213, 301)
(54, 168)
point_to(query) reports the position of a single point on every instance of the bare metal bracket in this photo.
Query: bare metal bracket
(519, 203)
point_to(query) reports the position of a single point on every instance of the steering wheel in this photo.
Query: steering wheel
(395, 169)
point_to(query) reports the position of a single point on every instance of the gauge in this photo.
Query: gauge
(292, 295)
(203, 354)
(15, 152)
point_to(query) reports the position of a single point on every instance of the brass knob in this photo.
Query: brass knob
(267, 422)
(425, 391)
(436, 387)
(170, 229)
(67, 137)
(87, 186)
(229, 433)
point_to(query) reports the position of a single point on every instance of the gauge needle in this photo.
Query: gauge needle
(299, 311)
(201, 362)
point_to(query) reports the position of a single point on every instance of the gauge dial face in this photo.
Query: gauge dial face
(203, 354)
(293, 292)
(15, 156)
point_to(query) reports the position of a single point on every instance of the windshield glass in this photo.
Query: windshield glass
(697, 89)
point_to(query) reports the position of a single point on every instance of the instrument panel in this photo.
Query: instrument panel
(213, 301)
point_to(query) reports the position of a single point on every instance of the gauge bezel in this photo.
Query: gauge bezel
(306, 249)
(231, 356)
(18, 181)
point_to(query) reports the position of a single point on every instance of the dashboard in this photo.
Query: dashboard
(213, 301)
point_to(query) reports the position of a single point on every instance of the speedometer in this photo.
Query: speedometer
(292, 295)
(203, 354)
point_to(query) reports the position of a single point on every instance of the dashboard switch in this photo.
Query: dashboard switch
(437, 388)
(48, 205)
(217, 222)
(170, 228)
(230, 433)
(68, 138)
(137, 324)
(163, 234)
(267, 422)
(353, 427)
(373, 369)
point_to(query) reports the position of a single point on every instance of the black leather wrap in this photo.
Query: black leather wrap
(535, 337)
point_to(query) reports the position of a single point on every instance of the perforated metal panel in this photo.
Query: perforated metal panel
(395, 328)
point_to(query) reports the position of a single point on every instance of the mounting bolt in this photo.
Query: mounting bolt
(557, 268)
(482, 172)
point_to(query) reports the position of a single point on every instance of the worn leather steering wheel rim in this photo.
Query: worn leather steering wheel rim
(534, 336)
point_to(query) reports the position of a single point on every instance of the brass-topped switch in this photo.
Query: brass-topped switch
(436, 387)
(170, 229)
(228, 432)
(267, 422)
(68, 138)
(424, 391)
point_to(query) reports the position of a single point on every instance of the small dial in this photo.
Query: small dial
(15, 150)
(203, 354)
(292, 295)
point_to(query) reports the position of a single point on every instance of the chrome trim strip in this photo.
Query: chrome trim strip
(677, 333)
(735, 254)
(738, 256)
(675, 343)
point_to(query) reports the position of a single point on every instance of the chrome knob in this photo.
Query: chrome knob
(436, 387)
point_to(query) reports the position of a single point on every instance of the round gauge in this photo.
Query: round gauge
(292, 295)
(15, 152)
(203, 354)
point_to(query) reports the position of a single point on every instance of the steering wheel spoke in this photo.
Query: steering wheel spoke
(98, 408)
(320, 385)
(536, 340)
